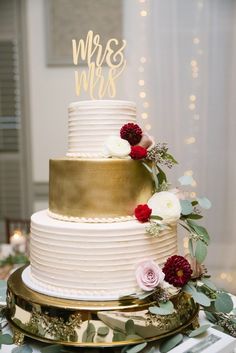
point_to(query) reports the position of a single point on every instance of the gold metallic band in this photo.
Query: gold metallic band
(97, 188)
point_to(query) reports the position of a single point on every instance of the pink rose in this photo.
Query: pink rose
(146, 141)
(149, 275)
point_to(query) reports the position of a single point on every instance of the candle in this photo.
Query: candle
(18, 241)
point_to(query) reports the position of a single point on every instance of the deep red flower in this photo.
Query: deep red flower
(142, 213)
(132, 133)
(138, 152)
(177, 271)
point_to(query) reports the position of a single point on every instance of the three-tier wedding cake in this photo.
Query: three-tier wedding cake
(88, 245)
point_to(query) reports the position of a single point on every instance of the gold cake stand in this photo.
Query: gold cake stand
(91, 324)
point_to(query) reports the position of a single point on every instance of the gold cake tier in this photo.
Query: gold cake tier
(101, 188)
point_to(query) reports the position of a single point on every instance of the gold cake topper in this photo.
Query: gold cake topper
(98, 80)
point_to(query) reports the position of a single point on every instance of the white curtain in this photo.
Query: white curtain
(181, 57)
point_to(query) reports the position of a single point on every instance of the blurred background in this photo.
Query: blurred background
(180, 71)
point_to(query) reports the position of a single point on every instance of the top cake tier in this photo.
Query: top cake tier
(91, 122)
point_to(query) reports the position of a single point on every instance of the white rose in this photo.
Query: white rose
(165, 205)
(116, 147)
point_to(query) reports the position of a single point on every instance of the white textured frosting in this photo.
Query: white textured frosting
(92, 261)
(91, 122)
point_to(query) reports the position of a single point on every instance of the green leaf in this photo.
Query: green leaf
(219, 328)
(171, 158)
(223, 303)
(147, 167)
(118, 336)
(190, 247)
(6, 339)
(194, 203)
(22, 349)
(204, 202)
(199, 230)
(186, 207)
(170, 343)
(210, 316)
(161, 176)
(152, 350)
(186, 180)
(129, 327)
(133, 337)
(103, 331)
(200, 251)
(89, 333)
(201, 299)
(189, 288)
(208, 283)
(163, 308)
(198, 331)
(137, 348)
(194, 216)
(156, 217)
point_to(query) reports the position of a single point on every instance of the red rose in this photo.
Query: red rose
(177, 271)
(132, 133)
(138, 152)
(142, 213)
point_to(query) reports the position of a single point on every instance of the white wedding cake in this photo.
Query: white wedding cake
(88, 245)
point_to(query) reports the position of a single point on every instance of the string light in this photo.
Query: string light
(143, 59)
(145, 104)
(192, 106)
(141, 82)
(142, 94)
(143, 13)
(190, 140)
(144, 115)
(193, 195)
(142, 1)
(192, 98)
(148, 127)
(194, 183)
(193, 63)
(196, 40)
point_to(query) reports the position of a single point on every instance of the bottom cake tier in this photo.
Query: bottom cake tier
(92, 324)
(92, 261)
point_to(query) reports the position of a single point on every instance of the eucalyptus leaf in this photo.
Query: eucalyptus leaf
(204, 202)
(224, 303)
(208, 283)
(118, 336)
(186, 207)
(89, 333)
(234, 311)
(170, 343)
(200, 251)
(199, 230)
(163, 308)
(103, 331)
(53, 348)
(137, 348)
(190, 247)
(22, 349)
(198, 331)
(145, 294)
(133, 337)
(201, 299)
(219, 328)
(186, 180)
(210, 316)
(189, 288)
(6, 339)
(161, 176)
(129, 327)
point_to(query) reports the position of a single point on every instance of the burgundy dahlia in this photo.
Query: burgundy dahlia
(132, 133)
(177, 271)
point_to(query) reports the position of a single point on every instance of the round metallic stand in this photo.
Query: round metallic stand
(91, 324)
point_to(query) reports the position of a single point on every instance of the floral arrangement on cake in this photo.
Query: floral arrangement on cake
(166, 207)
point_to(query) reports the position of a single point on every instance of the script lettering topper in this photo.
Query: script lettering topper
(98, 80)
